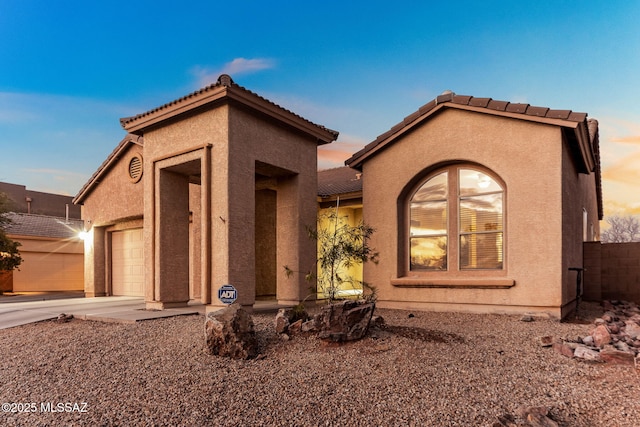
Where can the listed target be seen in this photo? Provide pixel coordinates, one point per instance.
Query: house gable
(225, 90)
(115, 192)
(580, 133)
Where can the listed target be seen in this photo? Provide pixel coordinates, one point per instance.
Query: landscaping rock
(563, 349)
(345, 321)
(295, 327)
(611, 354)
(64, 318)
(230, 333)
(586, 353)
(282, 321)
(546, 341)
(308, 326)
(601, 336)
(632, 329)
(616, 337)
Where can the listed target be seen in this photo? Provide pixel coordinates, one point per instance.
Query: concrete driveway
(16, 310)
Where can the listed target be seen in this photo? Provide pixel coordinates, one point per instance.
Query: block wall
(616, 273)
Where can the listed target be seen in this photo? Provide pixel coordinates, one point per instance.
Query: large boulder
(344, 321)
(230, 333)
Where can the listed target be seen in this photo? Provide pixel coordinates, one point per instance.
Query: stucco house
(212, 189)
(478, 205)
(46, 225)
(51, 251)
(481, 205)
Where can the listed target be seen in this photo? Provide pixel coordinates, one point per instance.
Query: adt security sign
(227, 294)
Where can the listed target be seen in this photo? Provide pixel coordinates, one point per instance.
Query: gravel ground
(433, 369)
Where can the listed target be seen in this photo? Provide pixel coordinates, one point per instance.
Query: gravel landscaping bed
(429, 369)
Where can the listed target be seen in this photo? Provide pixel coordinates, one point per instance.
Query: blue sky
(70, 69)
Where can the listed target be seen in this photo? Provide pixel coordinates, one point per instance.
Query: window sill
(420, 282)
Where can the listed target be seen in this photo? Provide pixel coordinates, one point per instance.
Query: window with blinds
(428, 229)
(480, 211)
(477, 221)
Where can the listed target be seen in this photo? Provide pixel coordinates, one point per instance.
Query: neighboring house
(481, 205)
(214, 188)
(52, 253)
(22, 200)
(46, 225)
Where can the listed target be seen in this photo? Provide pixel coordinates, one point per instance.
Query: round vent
(135, 168)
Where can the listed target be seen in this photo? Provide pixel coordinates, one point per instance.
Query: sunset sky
(70, 69)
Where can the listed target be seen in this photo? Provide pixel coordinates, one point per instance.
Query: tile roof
(200, 97)
(104, 167)
(43, 226)
(342, 180)
(485, 105)
(583, 135)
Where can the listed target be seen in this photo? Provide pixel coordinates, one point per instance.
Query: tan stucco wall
(528, 157)
(115, 202)
(579, 195)
(224, 147)
(49, 265)
(117, 197)
(253, 139)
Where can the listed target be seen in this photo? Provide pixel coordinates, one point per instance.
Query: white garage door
(127, 266)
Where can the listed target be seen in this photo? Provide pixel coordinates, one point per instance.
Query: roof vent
(135, 168)
(225, 80)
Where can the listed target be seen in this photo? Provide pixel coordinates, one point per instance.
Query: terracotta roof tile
(479, 102)
(537, 111)
(411, 117)
(461, 99)
(226, 81)
(428, 106)
(558, 114)
(498, 105)
(113, 156)
(445, 97)
(517, 108)
(336, 181)
(577, 117)
(488, 103)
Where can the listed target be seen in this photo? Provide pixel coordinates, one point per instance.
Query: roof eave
(138, 124)
(88, 187)
(410, 122)
(321, 134)
(213, 95)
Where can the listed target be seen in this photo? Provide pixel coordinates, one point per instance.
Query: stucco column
(297, 210)
(172, 241)
(94, 263)
(233, 240)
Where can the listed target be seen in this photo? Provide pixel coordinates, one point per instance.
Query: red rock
(612, 355)
(632, 329)
(546, 341)
(601, 336)
(585, 353)
(563, 349)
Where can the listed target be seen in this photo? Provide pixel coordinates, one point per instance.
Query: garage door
(127, 266)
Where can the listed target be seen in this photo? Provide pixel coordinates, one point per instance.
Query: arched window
(456, 221)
